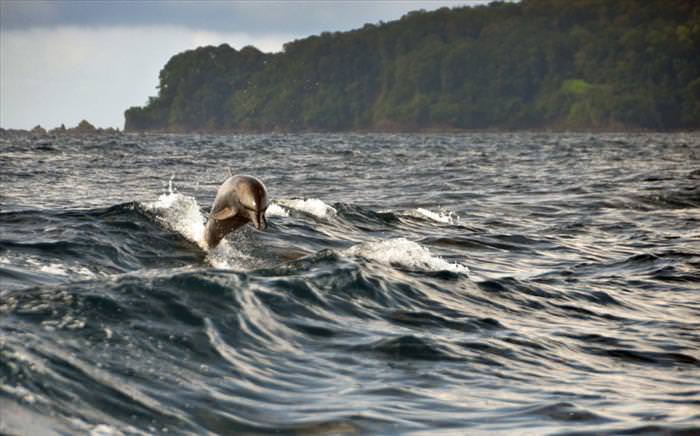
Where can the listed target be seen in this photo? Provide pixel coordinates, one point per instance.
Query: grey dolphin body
(239, 200)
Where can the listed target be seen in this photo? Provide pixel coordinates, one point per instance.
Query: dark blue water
(514, 283)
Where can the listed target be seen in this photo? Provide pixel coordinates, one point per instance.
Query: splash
(408, 254)
(227, 256)
(275, 209)
(312, 206)
(441, 216)
(182, 214)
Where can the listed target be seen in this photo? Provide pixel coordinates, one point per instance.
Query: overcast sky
(63, 61)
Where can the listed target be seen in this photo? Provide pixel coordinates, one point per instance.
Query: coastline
(423, 131)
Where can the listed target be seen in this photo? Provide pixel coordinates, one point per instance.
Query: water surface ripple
(524, 282)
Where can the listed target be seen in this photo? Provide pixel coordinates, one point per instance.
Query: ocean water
(407, 284)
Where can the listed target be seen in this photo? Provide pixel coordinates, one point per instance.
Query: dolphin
(239, 200)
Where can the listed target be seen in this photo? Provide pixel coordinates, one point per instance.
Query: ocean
(513, 283)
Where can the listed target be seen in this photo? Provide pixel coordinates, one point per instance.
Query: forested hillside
(584, 64)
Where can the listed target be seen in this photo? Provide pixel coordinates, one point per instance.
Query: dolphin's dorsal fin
(223, 214)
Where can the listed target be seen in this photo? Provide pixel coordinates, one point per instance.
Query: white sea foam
(276, 210)
(58, 269)
(105, 430)
(441, 216)
(67, 322)
(312, 206)
(182, 214)
(406, 253)
(53, 268)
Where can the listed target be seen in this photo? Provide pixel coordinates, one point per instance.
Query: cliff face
(536, 64)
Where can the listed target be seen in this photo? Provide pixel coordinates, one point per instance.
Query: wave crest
(275, 209)
(182, 214)
(441, 216)
(408, 254)
(312, 206)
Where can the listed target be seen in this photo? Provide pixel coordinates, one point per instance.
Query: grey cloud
(93, 59)
(252, 17)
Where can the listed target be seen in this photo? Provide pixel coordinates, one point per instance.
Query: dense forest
(584, 64)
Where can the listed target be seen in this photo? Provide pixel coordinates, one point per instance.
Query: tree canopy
(601, 64)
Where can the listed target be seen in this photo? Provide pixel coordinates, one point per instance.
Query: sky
(64, 61)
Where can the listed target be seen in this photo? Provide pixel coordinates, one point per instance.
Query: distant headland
(84, 127)
(536, 64)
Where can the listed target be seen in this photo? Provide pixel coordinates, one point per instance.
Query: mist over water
(524, 282)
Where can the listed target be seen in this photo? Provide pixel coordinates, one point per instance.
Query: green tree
(536, 63)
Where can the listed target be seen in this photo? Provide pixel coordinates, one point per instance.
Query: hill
(588, 64)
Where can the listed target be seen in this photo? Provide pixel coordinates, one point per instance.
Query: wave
(405, 253)
(181, 213)
(229, 340)
(84, 244)
(45, 247)
(441, 216)
(311, 206)
(50, 267)
(275, 210)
